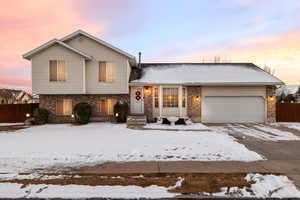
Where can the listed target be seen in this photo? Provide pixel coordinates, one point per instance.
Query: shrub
(121, 111)
(82, 113)
(40, 116)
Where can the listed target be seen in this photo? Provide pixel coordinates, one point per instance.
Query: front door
(137, 100)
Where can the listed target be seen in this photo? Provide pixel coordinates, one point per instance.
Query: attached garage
(233, 109)
(233, 104)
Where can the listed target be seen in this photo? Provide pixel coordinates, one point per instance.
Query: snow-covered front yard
(261, 186)
(65, 144)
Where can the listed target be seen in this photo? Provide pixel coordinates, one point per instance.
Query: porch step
(136, 120)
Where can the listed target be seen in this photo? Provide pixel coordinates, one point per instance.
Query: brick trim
(49, 102)
(271, 104)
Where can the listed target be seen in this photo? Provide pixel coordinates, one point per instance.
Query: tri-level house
(83, 68)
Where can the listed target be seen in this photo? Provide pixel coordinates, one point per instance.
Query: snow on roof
(205, 74)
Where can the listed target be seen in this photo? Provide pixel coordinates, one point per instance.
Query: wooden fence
(288, 112)
(11, 113)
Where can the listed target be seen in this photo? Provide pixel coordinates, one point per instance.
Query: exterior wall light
(72, 115)
(147, 90)
(117, 114)
(27, 115)
(271, 98)
(197, 99)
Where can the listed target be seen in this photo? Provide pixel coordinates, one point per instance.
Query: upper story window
(57, 70)
(106, 72)
(170, 97)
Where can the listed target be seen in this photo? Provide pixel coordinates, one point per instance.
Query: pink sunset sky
(263, 32)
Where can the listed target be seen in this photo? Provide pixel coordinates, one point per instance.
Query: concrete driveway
(273, 142)
(279, 144)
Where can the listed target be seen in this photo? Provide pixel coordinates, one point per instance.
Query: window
(156, 98)
(64, 107)
(170, 97)
(183, 97)
(106, 106)
(57, 70)
(106, 72)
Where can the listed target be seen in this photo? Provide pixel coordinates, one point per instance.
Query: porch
(166, 101)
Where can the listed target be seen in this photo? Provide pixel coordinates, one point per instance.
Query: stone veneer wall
(271, 104)
(148, 103)
(49, 102)
(193, 107)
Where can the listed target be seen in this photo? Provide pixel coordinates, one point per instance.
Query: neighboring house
(288, 94)
(83, 68)
(297, 95)
(10, 96)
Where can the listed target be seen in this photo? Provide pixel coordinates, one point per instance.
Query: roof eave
(211, 84)
(31, 53)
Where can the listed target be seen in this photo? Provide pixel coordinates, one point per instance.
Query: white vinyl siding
(118, 62)
(41, 72)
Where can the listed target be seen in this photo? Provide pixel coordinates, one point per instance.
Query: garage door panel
(233, 109)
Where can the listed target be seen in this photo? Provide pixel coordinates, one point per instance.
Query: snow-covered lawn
(265, 186)
(260, 131)
(14, 190)
(291, 125)
(262, 186)
(65, 144)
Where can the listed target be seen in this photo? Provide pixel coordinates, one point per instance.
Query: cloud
(280, 51)
(15, 82)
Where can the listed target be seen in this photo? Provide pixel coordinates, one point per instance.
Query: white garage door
(233, 109)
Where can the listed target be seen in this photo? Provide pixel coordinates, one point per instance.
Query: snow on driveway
(259, 131)
(291, 125)
(65, 144)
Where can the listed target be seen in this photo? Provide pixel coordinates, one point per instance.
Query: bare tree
(269, 70)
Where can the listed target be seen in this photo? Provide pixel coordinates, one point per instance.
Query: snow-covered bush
(40, 116)
(82, 113)
(121, 111)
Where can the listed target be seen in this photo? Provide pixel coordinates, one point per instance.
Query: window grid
(170, 97)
